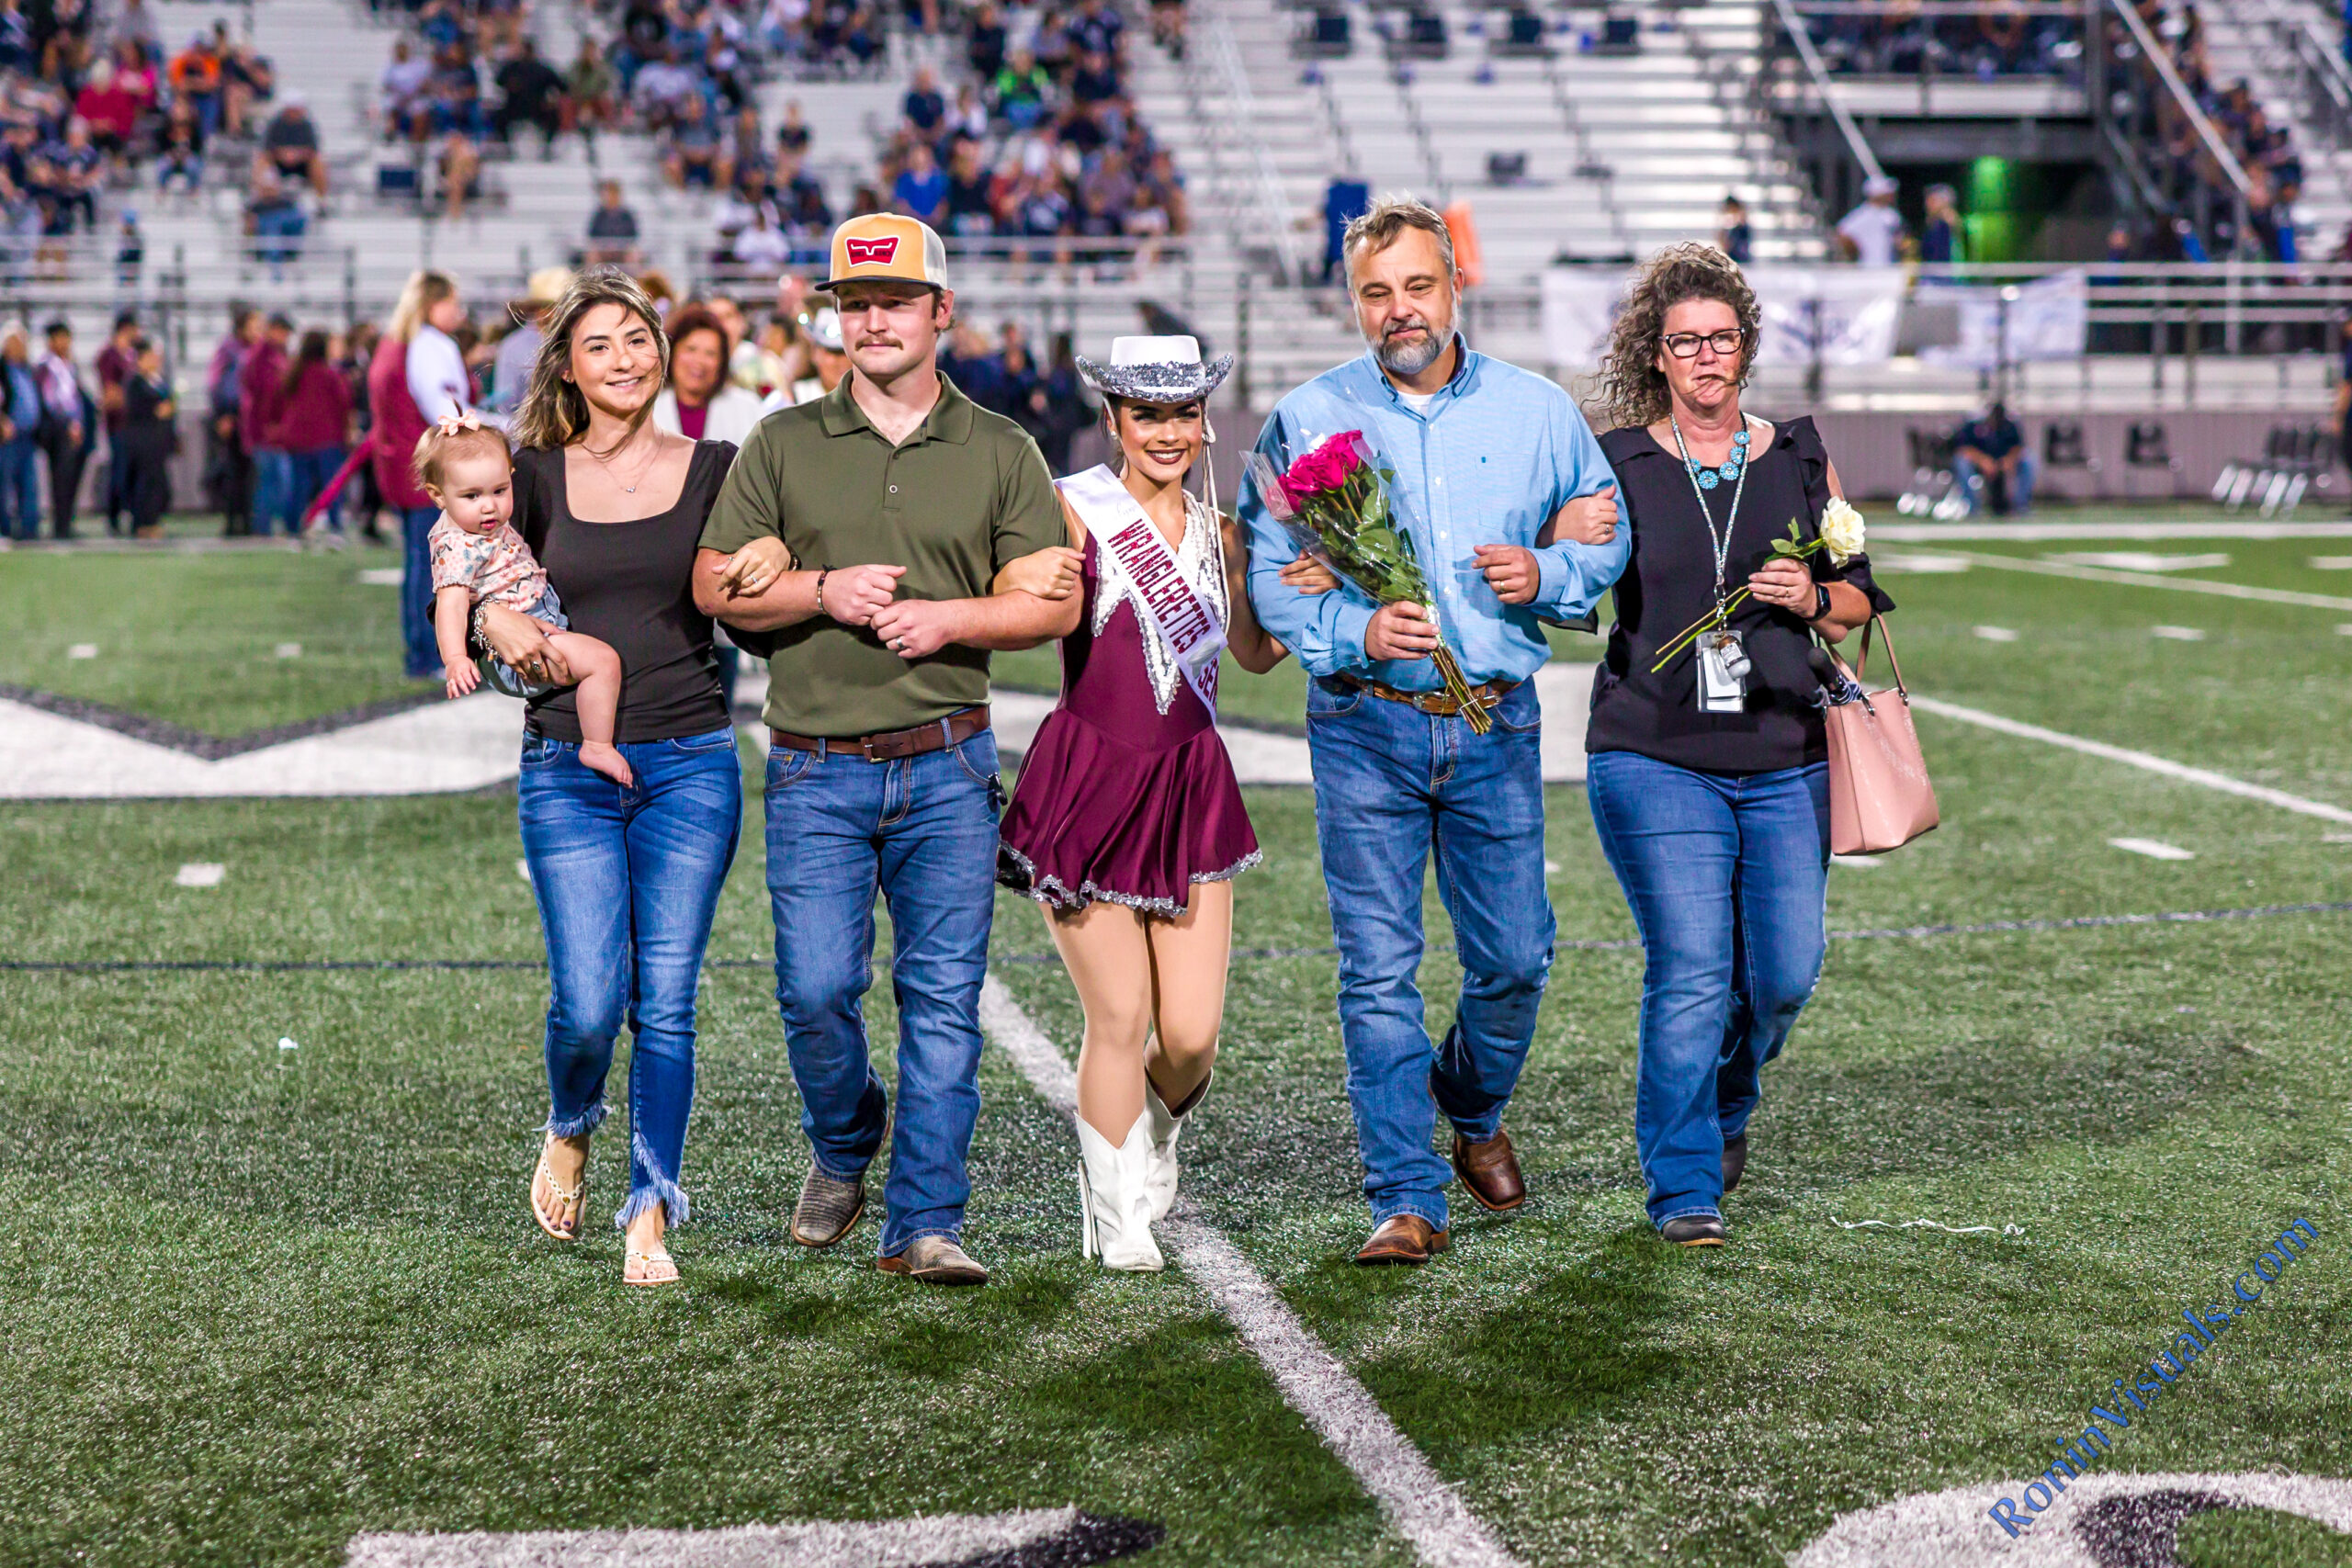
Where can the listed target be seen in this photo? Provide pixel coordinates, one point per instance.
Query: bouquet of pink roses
(1340, 503)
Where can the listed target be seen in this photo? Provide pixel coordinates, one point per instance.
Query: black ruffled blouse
(1669, 582)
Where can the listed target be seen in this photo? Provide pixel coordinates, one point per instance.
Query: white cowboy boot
(1167, 1126)
(1111, 1190)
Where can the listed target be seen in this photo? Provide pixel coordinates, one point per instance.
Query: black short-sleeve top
(631, 585)
(1670, 583)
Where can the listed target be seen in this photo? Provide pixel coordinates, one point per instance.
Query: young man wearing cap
(1873, 232)
(898, 500)
(1485, 457)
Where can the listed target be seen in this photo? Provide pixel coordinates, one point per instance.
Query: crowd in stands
(91, 102)
(1035, 138)
(1985, 39)
(2203, 223)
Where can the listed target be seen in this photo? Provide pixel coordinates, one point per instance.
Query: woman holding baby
(626, 863)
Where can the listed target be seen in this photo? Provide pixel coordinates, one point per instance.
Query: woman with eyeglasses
(1709, 770)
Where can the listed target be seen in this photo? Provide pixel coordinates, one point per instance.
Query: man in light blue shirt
(1486, 454)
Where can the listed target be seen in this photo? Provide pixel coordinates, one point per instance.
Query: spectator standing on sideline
(1992, 462)
(20, 415)
(228, 465)
(519, 350)
(260, 389)
(416, 377)
(116, 363)
(1869, 233)
(144, 441)
(313, 425)
(1940, 238)
(69, 426)
(612, 229)
(1733, 235)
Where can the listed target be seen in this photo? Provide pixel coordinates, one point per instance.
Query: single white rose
(1841, 530)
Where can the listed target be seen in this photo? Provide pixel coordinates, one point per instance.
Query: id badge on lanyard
(1723, 663)
(1723, 672)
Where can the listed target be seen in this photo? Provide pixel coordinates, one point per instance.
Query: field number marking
(2155, 765)
(2155, 849)
(2142, 560)
(1427, 1512)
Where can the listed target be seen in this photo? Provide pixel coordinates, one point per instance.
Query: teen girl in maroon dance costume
(1127, 824)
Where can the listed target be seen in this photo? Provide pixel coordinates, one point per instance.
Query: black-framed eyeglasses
(1685, 345)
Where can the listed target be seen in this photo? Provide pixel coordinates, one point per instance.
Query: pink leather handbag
(1880, 796)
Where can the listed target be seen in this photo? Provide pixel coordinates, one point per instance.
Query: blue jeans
(423, 655)
(1391, 785)
(274, 491)
(20, 488)
(1976, 486)
(627, 880)
(925, 831)
(309, 473)
(1728, 877)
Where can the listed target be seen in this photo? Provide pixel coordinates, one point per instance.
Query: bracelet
(821, 573)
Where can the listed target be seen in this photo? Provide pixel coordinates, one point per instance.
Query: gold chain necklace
(605, 461)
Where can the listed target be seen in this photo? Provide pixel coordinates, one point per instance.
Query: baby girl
(467, 470)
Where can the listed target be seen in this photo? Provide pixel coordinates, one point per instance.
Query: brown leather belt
(1487, 694)
(953, 730)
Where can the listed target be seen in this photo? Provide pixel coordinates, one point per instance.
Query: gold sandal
(564, 1197)
(649, 1262)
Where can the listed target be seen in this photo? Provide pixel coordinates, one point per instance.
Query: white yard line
(2155, 765)
(1426, 1511)
(1936, 533)
(940, 1539)
(2150, 580)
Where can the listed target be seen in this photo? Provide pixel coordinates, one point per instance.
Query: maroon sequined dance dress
(1127, 793)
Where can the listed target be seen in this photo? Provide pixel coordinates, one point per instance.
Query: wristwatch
(1820, 603)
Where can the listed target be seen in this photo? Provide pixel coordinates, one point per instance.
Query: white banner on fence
(1579, 303)
(1843, 315)
(2048, 319)
(1854, 311)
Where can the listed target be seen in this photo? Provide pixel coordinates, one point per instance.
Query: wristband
(1820, 603)
(821, 589)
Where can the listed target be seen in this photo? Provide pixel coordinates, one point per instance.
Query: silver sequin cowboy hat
(1164, 370)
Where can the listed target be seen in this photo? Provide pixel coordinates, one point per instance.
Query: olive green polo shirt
(963, 495)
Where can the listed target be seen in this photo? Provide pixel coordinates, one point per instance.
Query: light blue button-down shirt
(1499, 451)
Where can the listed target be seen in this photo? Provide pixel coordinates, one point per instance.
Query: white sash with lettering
(1179, 617)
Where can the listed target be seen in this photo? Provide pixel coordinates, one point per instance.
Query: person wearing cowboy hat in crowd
(1485, 457)
(520, 348)
(1128, 825)
(872, 522)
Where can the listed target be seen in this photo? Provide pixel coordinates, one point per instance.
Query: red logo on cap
(868, 252)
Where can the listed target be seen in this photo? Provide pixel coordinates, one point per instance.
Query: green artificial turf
(266, 1299)
(192, 638)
